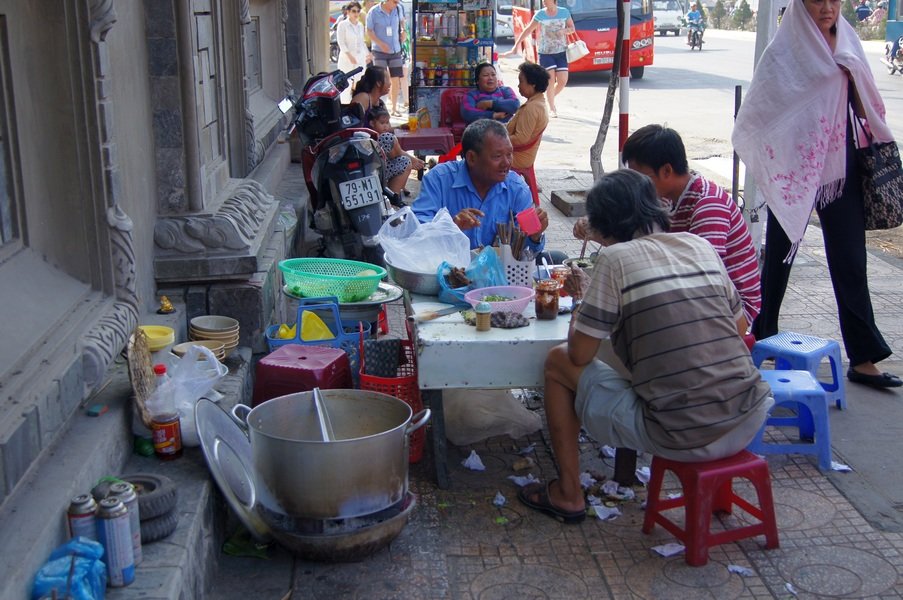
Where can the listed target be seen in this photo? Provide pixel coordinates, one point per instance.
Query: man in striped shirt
(698, 206)
(675, 322)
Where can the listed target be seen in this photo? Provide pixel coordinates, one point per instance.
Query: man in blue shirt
(481, 190)
(863, 11)
(694, 20)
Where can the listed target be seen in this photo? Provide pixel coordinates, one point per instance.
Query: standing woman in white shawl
(352, 51)
(794, 133)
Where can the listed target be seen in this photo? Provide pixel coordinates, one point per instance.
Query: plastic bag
(486, 270)
(474, 415)
(422, 247)
(89, 575)
(191, 379)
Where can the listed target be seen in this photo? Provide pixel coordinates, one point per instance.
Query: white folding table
(452, 354)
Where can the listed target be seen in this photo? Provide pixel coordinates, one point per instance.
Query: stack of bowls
(218, 348)
(216, 328)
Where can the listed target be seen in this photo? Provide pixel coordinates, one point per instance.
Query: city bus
(597, 25)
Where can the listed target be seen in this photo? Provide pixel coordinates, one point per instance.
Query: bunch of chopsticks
(510, 234)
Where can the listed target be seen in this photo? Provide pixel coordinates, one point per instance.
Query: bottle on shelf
(165, 426)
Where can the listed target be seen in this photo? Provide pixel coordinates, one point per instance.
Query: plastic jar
(560, 274)
(546, 300)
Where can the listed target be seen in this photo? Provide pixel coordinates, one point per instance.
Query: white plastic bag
(422, 247)
(475, 415)
(192, 377)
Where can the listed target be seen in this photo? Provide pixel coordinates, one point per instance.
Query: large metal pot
(363, 471)
(419, 283)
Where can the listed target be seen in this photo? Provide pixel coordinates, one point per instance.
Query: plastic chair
(802, 393)
(804, 352)
(450, 111)
(707, 488)
(529, 176)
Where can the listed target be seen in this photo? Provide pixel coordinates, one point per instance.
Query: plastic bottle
(165, 425)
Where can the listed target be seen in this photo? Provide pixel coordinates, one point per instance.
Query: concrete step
(184, 564)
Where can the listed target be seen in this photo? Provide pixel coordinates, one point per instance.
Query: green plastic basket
(317, 277)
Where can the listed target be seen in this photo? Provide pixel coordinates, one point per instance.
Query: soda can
(114, 532)
(81, 516)
(126, 492)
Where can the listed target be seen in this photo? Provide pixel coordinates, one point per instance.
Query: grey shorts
(610, 410)
(394, 63)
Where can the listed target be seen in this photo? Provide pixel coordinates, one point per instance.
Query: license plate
(605, 60)
(361, 192)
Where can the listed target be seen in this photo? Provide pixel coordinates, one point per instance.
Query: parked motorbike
(344, 169)
(893, 56)
(333, 45)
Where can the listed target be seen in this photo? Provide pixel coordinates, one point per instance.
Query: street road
(693, 92)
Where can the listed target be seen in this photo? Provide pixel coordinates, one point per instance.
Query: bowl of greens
(502, 298)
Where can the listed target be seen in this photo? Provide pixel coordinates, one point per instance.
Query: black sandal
(544, 504)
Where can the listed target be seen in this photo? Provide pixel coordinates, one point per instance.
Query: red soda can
(81, 517)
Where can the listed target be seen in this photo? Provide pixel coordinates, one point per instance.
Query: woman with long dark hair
(370, 89)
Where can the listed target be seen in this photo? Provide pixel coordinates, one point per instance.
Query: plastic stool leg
(762, 484)
(806, 421)
(652, 498)
(699, 519)
(724, 498)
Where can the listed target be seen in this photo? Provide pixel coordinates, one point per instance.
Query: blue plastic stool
(804, 352)
(800, 391)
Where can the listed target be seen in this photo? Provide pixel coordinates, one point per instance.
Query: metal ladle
(323, 417)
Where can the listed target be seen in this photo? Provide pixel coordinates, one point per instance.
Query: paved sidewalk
(840, 533)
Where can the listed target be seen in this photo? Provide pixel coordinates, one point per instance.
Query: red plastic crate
(404, 387)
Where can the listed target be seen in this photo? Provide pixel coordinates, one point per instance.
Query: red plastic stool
(298, 368)
(706, 489)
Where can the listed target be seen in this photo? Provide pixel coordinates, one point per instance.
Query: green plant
(743, 16)
(848, 10)
(718, 15)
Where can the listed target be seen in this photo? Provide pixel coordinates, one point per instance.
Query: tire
(159, 527)
(157, 494)
(637, 72)
(334, 53)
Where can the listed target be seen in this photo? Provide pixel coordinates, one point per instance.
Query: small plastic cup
(412, 122)
(529, 221)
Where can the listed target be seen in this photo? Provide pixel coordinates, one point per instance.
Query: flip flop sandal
(544, 505)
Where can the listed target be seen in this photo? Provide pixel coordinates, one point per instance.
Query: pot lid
(228, 453)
